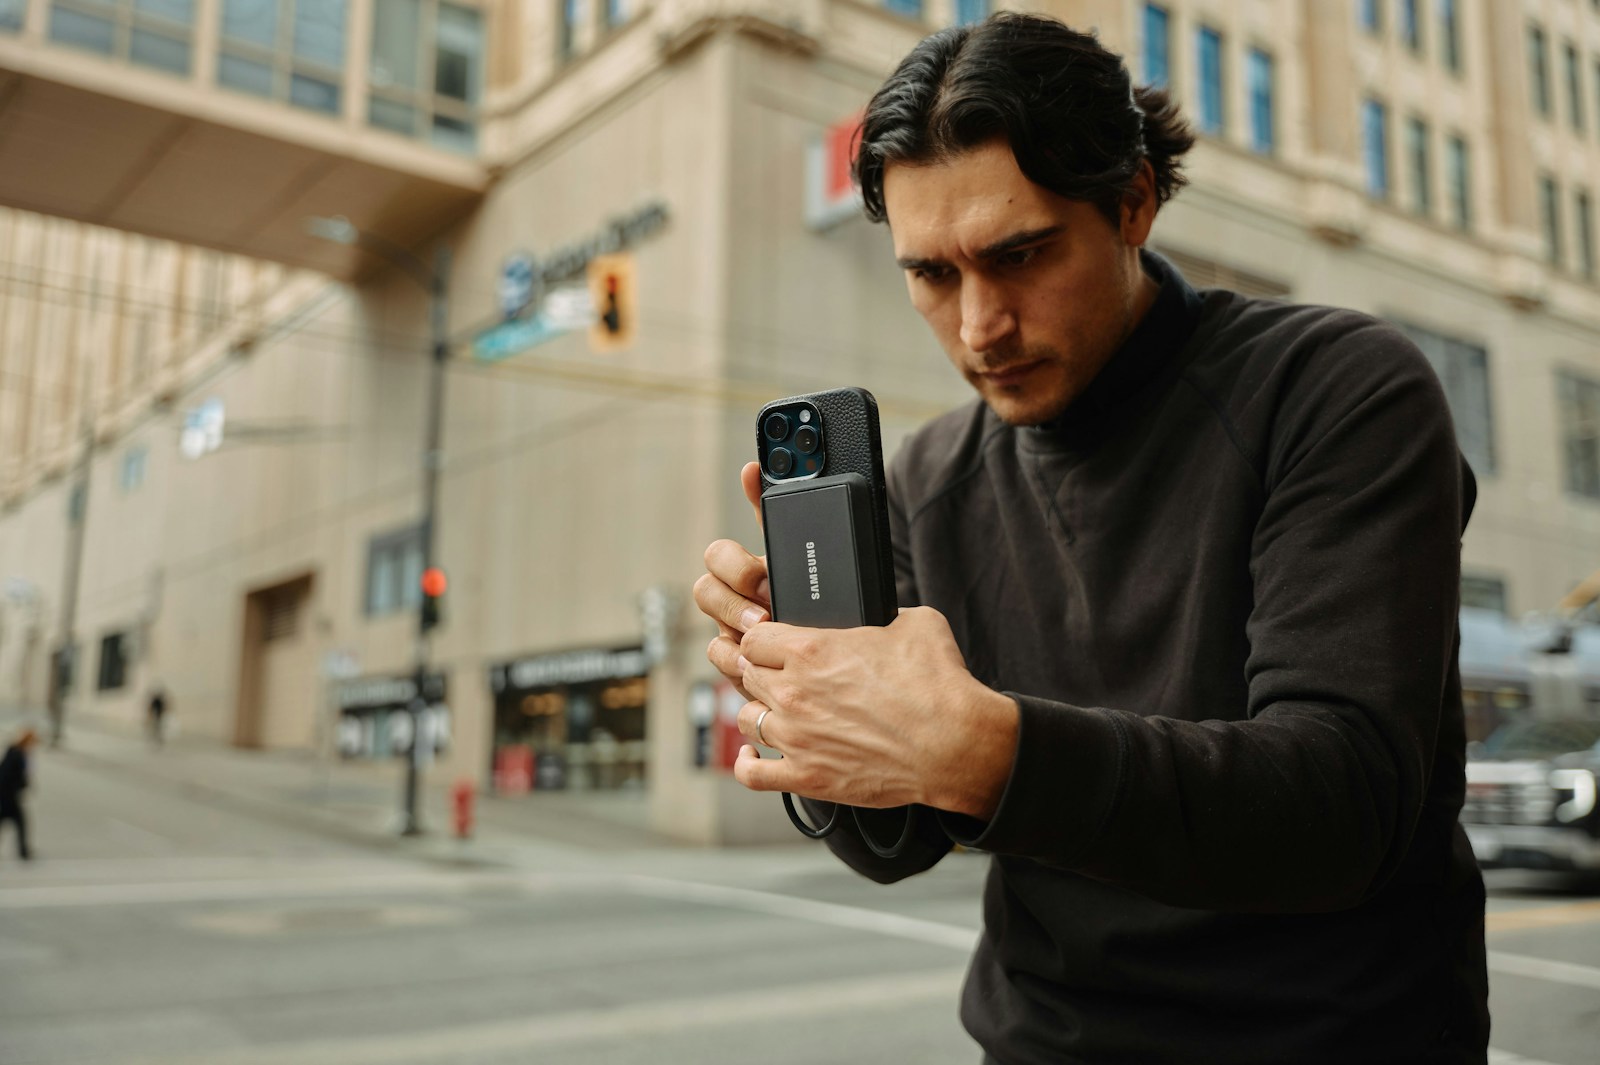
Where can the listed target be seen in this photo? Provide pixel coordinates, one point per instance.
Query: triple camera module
(793, 442)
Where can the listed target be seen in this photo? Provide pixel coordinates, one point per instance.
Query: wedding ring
(759, 737)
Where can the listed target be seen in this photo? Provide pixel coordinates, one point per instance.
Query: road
(158, 928)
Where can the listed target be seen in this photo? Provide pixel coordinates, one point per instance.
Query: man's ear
(1137, 212)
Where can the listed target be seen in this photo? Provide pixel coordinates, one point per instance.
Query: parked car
(1531, 791)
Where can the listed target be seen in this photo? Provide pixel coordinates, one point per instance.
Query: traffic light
(611, 286)
(433, 589)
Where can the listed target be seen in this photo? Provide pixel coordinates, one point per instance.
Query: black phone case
(853, 446)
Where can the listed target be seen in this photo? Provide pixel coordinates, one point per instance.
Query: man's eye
(1019, 257)
(930, 273)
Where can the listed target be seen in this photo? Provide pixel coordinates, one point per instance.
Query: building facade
(250, 435)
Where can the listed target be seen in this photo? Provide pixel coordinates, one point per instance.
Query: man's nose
(986, 315)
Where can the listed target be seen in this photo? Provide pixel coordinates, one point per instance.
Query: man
(1184, 581)
(13, 782)
(157, 711)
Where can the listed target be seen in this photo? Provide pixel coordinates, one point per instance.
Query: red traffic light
(433, 582)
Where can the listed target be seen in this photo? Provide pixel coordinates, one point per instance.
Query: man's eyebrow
(1019, 240)
(998, 248)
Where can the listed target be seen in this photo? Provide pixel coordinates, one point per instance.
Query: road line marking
(52, 896)
(827, 998)
(1542, 916)
(1561, 972)
(853, 917)
(1505, 1057)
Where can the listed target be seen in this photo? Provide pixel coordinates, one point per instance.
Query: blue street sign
(511, 338)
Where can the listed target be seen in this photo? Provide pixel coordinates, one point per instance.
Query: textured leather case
(852, 444)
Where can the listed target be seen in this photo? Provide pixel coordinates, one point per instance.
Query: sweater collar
(1160, 335)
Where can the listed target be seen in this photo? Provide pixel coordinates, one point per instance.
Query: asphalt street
(159, 927)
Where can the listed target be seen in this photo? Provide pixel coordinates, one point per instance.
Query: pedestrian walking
(158, 711)
(1179, 588)
(13, 782)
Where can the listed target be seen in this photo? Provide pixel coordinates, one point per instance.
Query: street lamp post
(436, 282)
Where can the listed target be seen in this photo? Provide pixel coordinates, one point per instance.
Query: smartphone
(825, 516)
(825, 510)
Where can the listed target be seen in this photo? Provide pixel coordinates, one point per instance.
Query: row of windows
(1211, 110)
(1554, 227)
(1463, 369)
(427, 55)
(1418, 163)
(1539, 83)
(1412, 22)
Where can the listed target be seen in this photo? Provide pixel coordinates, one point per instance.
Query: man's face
(1030, 293)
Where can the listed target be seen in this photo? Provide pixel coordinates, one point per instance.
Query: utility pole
(432, 459)
(64, 665)
(435, 282)
(64, 662)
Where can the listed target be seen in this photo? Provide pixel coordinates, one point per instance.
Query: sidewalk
(360, 801)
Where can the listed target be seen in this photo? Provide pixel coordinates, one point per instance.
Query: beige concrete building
(1433, 163)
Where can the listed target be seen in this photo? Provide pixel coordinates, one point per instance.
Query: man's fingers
(761, 774)
(773, 643)
(750, 479)
(723, 654)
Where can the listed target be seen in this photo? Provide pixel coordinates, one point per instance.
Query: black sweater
(1223, 592)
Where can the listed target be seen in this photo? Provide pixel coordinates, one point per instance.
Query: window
(1579, 399)
(1463, 369)
(149, 33)
(1261, 125)
(1418, 161)
(1450, 36)
(1375, 146)
(12, 13)
(1157, 46)
(1460, 178)
(1583, 219)
(134, 462)
(616, 13)
(1574, 72)
(1209, 66)
(970, 11)
(908, 8)
(285, 49)
(1484, 593)
(1370, 13)
(427, 70)
(113, 662)
(1550, 213)
(394, 572)
(1410, 25)
(1538, 70)
(571, 18)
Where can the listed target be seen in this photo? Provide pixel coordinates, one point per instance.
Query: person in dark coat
(158, 710)
(13, 780)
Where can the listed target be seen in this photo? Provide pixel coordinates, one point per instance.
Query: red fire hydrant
(462, 796)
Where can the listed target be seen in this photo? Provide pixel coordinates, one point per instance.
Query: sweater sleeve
(1307, 798)
(927, 842)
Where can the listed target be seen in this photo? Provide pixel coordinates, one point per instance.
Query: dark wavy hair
(1068, 107)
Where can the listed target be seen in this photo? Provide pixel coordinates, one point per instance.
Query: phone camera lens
(777, 426)
(805, 440)
(780, 462)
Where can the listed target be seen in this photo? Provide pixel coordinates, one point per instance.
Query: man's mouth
(1010, 375)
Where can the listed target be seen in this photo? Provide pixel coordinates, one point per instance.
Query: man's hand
(734, 591)
(874, 716)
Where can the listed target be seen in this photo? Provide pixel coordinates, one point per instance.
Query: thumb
(750, 478)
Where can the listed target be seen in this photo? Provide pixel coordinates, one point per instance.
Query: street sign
(831, 195)
(514, 337)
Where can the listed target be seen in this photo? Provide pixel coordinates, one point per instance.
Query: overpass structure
(228, 123)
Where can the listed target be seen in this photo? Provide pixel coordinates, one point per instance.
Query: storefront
(375, 716)
(570, 720)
